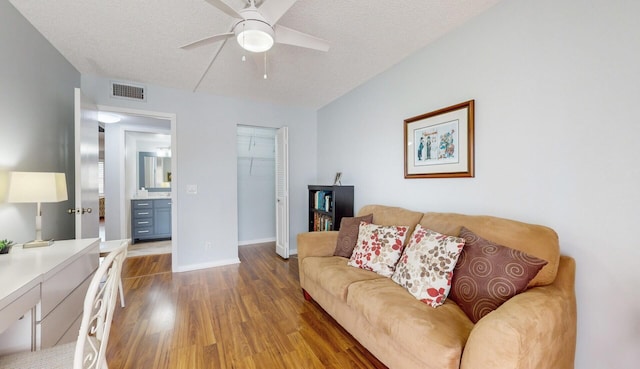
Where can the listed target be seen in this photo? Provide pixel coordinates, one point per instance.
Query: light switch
(192, 189)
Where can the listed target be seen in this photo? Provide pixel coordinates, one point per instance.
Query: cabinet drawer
(139, 223)
(57, 323)
(59, 286)
(72, 333)
(143, 204)
(13, 311)
(143, 213)
(143, 232)
(162, 203)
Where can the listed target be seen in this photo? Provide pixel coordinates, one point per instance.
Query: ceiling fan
(256, 30)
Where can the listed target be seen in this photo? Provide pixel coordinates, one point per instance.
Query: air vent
(127, 91)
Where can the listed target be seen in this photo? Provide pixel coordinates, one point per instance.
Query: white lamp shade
(37, 187)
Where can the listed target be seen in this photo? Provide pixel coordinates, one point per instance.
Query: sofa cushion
(333, 274)
(438, 334)
(389, 215)
(426, 265)
(348, 234)
(536, 240)
(488, 274)
(378, 248)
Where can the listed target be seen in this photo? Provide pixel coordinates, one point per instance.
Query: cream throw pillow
(378, 248)
(426, 266)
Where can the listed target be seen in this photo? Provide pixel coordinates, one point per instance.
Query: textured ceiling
(139, 41)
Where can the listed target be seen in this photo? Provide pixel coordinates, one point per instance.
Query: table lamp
(37, 187)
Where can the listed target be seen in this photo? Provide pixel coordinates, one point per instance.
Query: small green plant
(5, 245)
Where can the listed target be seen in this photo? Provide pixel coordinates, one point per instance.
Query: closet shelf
(255, 158)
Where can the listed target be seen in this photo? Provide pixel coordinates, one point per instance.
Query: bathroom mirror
(154, 172)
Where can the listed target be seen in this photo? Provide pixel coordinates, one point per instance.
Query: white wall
(556, 84)
(36, 124)
(207, 157)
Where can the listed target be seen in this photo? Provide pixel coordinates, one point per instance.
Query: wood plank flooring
(246, 316)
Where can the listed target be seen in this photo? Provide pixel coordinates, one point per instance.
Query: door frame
(174, 171)
(283, 247)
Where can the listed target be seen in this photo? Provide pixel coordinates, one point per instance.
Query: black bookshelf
(328, 205)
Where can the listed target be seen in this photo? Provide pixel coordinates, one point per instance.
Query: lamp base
(37, 243)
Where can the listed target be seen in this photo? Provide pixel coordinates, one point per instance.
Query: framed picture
(440, 144)
(338, 180)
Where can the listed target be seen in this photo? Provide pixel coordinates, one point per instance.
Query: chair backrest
(99, 304)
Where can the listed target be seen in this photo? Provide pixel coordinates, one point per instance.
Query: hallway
(143, 248)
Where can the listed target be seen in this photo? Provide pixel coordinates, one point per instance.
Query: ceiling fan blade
(290, 36)
(208, 40)
(226, 8)
(273, 10)
(215, 55)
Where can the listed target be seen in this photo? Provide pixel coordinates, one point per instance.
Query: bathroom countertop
(151, 196)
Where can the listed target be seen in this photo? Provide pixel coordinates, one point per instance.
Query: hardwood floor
(246, 316)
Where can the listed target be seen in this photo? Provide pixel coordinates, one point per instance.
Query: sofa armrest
(535, 329)
(315, 244)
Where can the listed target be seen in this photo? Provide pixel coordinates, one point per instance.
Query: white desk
(51, 282)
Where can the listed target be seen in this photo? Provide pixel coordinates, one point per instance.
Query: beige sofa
(534, 329)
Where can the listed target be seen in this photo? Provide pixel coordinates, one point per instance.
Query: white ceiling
(139, 41)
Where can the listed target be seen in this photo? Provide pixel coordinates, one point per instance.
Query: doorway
(147, 181)
(137, 131)
(256, 185)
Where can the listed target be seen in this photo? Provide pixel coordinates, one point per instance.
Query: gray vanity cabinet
(150, 219)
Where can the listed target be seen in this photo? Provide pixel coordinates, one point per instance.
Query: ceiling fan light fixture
(254, 36)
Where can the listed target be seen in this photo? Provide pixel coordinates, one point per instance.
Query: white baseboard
(253, 242)
(192, 267)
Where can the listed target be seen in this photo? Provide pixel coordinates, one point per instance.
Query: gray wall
(556, 85)
(206, 154)
(36, 124)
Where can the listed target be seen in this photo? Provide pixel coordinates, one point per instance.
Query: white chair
(107, 247)
(89, 351)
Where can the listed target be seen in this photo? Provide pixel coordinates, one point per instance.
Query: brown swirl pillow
(488, 274)
(348, 234)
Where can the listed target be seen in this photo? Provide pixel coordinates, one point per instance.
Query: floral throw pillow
(378, 248)
(426, 266)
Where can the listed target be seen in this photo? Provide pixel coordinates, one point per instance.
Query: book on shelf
(323, 201)
(322, 222)
(328, 205)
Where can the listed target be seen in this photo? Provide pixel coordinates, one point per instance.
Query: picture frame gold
(440, 144)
